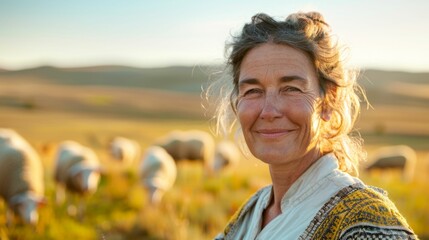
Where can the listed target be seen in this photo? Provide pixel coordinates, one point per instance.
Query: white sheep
(124, 150)
(227, 155)
(394, 157)
(77, 170)
(21, 177)
(157, 173)
(190, 145)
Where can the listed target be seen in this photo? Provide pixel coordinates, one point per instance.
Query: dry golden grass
(197, 207)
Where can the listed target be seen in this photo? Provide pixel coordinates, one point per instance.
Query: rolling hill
(400, 100)
(110, 91)
(182, 79)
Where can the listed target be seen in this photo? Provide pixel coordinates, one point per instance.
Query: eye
(290, 89)
(252, 92)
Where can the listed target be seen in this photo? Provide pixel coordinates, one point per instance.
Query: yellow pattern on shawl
(363, 206)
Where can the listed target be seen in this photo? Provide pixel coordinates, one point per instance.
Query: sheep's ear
(41, 202)
(100, 170)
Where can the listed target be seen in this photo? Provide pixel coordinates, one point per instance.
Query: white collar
(310, 180)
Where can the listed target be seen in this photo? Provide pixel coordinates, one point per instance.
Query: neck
(284, 176)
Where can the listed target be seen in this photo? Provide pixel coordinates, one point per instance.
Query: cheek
(304, 112)
(247, 112)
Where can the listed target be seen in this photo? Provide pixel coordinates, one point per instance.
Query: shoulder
(376, 232)
(358, 209)
(238, 216)
(375, 216)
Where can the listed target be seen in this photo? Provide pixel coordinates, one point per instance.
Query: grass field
(198, 207)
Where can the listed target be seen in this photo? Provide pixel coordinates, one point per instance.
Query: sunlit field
(198, 206)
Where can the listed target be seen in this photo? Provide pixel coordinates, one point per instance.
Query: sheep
(157, 173)
(77, 170)
(21, 177)
(194, 145)
(226, 155)
(124, 150)
(394, 157)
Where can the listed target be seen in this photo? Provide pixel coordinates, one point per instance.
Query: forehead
(271, 58)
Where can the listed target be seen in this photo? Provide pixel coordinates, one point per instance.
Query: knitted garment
(355, 212)
(359, 212)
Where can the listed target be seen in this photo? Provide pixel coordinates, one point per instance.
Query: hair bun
(316, 17)
(307, 20)
(311, 23)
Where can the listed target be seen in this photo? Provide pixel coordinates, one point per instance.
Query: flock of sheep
(77, 168)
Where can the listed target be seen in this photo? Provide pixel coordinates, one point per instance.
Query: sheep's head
(86, 180)
(26, 205)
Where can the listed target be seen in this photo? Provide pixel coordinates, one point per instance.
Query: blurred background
(92, 70)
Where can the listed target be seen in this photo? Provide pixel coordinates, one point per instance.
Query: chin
(271, 157)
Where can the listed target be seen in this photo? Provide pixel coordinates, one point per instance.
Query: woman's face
(278, 104)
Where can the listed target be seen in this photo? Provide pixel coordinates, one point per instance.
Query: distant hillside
(182, 79)
(175, 91)
(396, 88)
(108, 91)
(190, 79)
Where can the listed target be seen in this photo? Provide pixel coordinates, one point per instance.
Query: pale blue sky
(390, 35)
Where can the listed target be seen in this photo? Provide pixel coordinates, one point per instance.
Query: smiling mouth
(273, 133)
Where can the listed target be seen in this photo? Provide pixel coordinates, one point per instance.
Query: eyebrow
(250, 81)
(291, 78)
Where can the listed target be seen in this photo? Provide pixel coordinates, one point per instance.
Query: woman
(296, 106)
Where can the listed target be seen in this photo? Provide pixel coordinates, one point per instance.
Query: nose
(271, 108)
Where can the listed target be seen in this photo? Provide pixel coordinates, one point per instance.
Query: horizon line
(88, 66)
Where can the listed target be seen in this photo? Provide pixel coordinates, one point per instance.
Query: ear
(100, 170)
(326, 113)
(41, 202)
